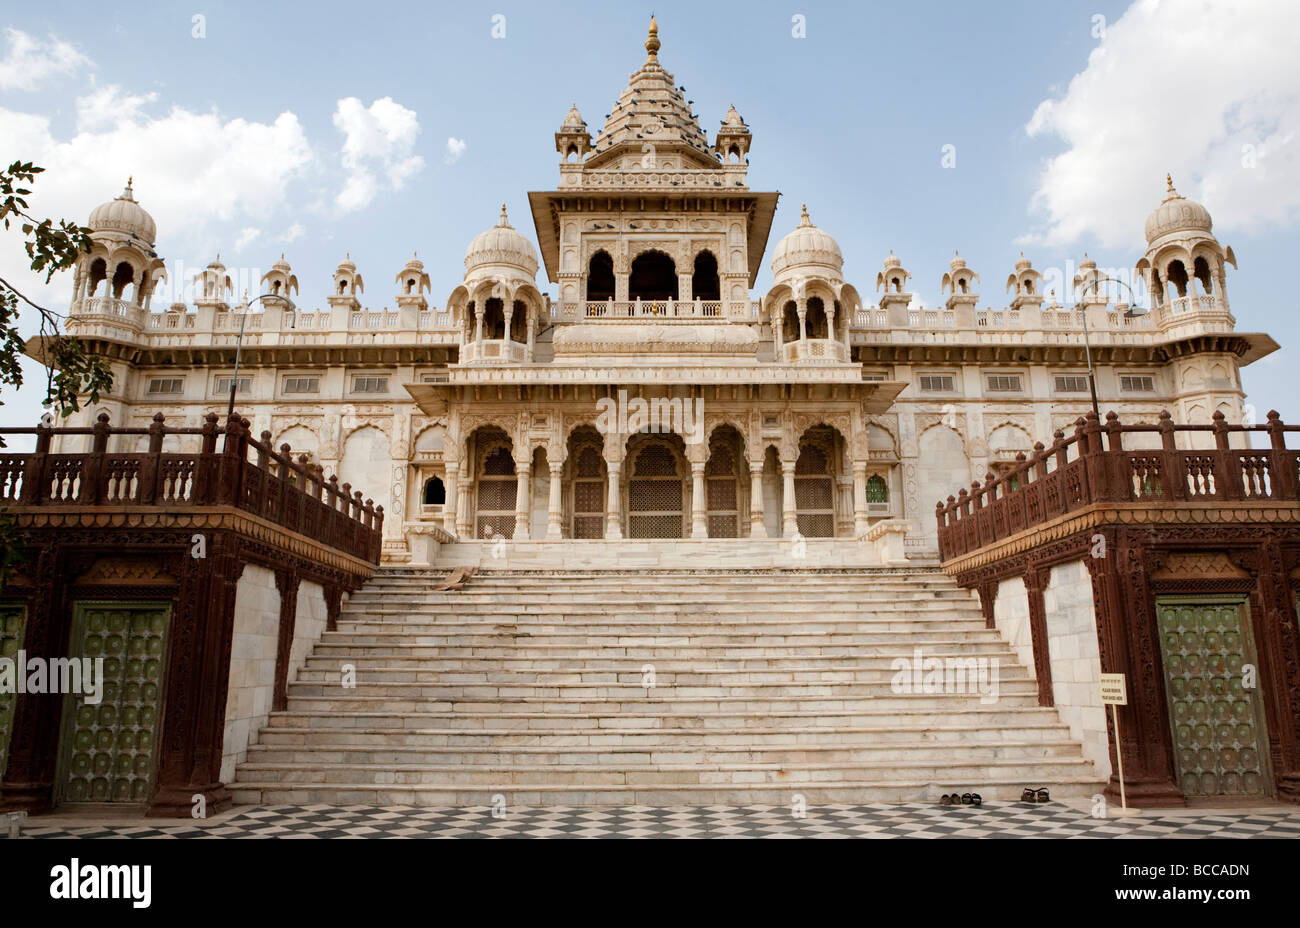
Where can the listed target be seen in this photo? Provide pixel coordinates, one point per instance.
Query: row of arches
(653, 277)
(1171, 280)
(656, 493)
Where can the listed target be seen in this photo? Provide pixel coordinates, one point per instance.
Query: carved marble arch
(774, 303)
(927, 421)
(734, 421)
(471, 426)
(585, 483)
(816, 467)
(458, 305)
(383, 424)
(880, 437)
(658, 486)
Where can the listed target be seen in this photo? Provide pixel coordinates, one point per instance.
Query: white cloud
(28, 61)
(246, 238)
(455, 148)
(377, 148)
(109, 105)
(293, 233)
(1192, 87)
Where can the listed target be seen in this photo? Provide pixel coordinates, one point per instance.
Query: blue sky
(265, 132)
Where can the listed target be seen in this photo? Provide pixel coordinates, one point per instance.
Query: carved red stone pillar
(1035, 584)
(1277, 643)
(34, 739)
(198, 678)
(1128, 643)
(286, 581)
(988, 591)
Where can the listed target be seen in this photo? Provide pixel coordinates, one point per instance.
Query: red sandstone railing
(1081, 470)
(246, 473)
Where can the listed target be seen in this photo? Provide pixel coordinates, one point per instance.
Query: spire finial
(652, 40)
(503, 221)
(804, 220)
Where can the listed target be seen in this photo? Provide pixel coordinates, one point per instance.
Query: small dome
(347, 264)
(501, 244)
(281, 265)
(733, 118)
(807, 244)
(574, 119)
(1087, 264)
(1022, 263)
(415, 264)
(892, 261)
(957, 262)
(124, 215)
(1177, 214)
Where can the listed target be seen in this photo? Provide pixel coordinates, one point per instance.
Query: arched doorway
(600, 277)
(723, 486)
(495, 485)
(654, 277)
(814, 483)
(704, 280)
(587, 509)
(656, 494)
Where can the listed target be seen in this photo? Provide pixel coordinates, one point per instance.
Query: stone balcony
(814, 349)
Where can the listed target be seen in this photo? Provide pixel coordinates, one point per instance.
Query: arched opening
(654, 277)
(722, 482)
(656, 494)
(123, 275)
(471, 321)
(1177, 275)
(496, 485)
(435, 494)
(519, 323)
(600, 277)
(589, 480)
(1157, 287)
(790, 322)
(1029, 285)
(98, 273)
(814, 483)
(410, 285)
(343, 288)
(704, 281)
(494, 320)
(571, 154)
(275, 286)
(815, 321)
(961, 284)
(1201, 271)
(877, 490)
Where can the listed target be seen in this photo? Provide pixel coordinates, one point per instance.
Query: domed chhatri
(1177, 214)
(502, 244)
(806, 246)
(124, 215)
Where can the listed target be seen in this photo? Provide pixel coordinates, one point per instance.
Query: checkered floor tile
(913, 820)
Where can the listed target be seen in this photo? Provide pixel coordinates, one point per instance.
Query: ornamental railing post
(90, 491)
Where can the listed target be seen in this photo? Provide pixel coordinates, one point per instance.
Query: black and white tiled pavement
(909, 820)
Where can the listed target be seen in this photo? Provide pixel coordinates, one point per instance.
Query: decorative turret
(412, 284)
(347, 284)
(733, 139)
(280, 279)
(1026, 284)
(1183, 258)
(960, 283)
(895, 299)
(213, 287)
(122, 265)
(502, 246)
(573, 139)
(1089, 285)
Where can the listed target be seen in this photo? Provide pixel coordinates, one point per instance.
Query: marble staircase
(665, 687)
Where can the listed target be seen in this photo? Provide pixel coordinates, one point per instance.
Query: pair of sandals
(961, 799)
(1035, 795)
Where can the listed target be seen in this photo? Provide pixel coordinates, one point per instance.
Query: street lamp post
(1130, 313)
(239, 340)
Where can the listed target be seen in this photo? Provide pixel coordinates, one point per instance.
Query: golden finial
(652, 40)
(503, 221)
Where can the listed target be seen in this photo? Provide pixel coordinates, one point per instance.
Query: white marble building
(825, 411)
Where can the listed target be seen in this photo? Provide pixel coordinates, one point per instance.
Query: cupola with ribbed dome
(125, 217)
(807, 251)
(412, 284)
(1183, 258)
(501, 246)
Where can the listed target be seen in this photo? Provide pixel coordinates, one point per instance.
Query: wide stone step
(310, 732)
(874, 671)
(860, 791)
(665, 658)
(632, 756)
(651, 774)
(372, 699)
(733, 643)
(697, 630)
(993, 720)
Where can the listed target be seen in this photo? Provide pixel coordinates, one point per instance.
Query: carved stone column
(464, 527)
(287, 582)
(859, 498)
(554, 504)
(756, 527)
(1035, 585)
(699, 504)
(614, 501)
(453, 496)
(789, 522)
(523, 499)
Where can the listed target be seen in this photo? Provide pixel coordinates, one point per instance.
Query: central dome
(501, 244)
(124, 215)
(1177, 214)
(807, 245)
